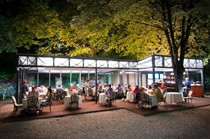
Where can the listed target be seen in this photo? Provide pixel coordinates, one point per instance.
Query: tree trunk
(178, 74)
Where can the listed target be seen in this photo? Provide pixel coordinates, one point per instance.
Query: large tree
(111, 28)
(36, 26)
(107, 28)
(184, 23)
(142, 27)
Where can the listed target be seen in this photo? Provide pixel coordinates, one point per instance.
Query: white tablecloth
(25, 103)
(129, 96)
(153, 99)
(102, 98)
(173, 97)
(67, 100)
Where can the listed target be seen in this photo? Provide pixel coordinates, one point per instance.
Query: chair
(74, 100)
(59, 94)
(120, 93)
(134, 100)
(47, 102)
(32, 104)
(112, 98)
(188, 97)
(89, 94)
(145, 100)
(15, 104)
(137, 99)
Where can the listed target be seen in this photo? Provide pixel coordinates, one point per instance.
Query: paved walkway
(118, 124)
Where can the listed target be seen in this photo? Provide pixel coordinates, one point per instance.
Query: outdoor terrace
(90, 106)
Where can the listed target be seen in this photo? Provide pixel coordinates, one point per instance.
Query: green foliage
(6, 74)
(100, 28)
(41, 28)
(6, 35)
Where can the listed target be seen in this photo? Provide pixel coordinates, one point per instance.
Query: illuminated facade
(54, 70)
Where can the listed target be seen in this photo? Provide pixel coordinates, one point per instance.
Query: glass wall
(44, 79)
(75, 78)
(84, 77)
(32, 79)
(55, 80)
(195, 78)
(158, 76)
(65, 80)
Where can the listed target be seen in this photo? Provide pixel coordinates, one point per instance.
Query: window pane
(55, 77)
(32, 79)
(65, 80)
(44, 79)
(75, 78)
(150, 76)
(156, 75)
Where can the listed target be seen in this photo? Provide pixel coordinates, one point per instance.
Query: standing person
(24, 89)
(86, 88)
(187, 86)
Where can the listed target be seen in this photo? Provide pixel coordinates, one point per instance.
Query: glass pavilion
(61, 70)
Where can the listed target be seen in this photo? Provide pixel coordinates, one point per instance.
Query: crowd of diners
(121, 91)
(118, 91)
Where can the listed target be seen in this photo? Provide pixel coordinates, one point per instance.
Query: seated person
(72, 87)
(32, 100)
(157, 92)
(129, 89)
(136, 89)
(119, 89)
(42, 90)
(163, 87)
(99, 88)
(149, 98)
(59, 92)
(47, 99)
(33, 92)
(136, 93)
(150, 90)
(106, 86)
(109, 93)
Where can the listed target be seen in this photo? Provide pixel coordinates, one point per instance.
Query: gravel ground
(118, 124)
(6, 107)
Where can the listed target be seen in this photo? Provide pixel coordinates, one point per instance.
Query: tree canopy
(101, 28)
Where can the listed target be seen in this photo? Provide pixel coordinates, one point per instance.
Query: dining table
(129, 96)
(25, 103)
(153, 99)
(67, 100)
(102, 98)
(173, 97)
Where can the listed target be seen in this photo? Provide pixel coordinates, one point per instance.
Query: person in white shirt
(86, 87)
